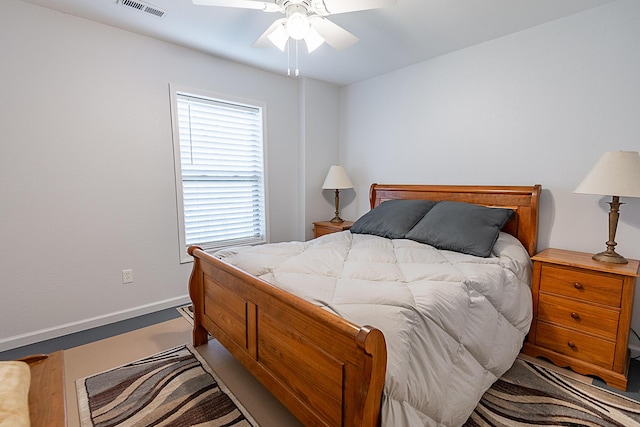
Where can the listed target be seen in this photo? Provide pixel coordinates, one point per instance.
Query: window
(218, 146)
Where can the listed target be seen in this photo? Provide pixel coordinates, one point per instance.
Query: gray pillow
(461, 227)
(392, 218)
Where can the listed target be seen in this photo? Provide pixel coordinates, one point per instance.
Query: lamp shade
(617, 173)
(337, 179)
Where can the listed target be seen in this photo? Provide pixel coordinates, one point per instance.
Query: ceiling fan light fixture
(303, 20)
(279, 37)
(298, 25)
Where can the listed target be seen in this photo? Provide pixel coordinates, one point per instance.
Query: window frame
(174, 92)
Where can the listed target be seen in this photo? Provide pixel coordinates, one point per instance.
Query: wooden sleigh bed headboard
(522, 199)
(325, 369)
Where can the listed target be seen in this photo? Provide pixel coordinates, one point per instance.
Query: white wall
(86, 164)
(86, 168)
(536, 107)
(320, 141)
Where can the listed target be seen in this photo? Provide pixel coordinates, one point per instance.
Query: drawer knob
(575, 315)
(578, 285)
(571, 345)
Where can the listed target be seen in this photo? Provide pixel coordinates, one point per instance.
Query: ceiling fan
(304, 20)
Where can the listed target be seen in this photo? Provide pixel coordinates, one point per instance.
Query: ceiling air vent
(143, 7)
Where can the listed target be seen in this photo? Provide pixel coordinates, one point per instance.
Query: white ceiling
(391, 38)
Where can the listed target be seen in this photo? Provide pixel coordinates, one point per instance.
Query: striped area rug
(530, 395)
(186, 311)
(172, 388)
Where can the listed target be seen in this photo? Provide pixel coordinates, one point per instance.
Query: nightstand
(582, 313)
(327, 227)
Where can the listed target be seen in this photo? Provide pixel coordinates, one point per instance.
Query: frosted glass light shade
(279, 37)
(313, 40)
(617, 173)
(337, 179)
(298, 25)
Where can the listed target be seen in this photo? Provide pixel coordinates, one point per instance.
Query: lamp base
(336, 219)
(610, 256)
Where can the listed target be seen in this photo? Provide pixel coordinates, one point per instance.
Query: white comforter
(453, 323)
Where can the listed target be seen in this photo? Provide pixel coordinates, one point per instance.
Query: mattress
(453, 323)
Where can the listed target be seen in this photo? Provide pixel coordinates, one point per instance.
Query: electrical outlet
(127, 276)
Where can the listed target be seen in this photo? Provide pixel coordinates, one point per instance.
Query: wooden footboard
(326, 370)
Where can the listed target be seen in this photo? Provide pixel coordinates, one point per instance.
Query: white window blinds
(221, 171)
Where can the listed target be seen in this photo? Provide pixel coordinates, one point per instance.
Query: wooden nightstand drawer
(578, 315)
(580, 346)
(589, 286)
(321, 231)
(582, 313)
(321, 228)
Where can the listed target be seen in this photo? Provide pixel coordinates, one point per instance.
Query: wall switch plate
(127, 276)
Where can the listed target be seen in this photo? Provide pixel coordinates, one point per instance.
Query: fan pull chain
(297, 69)
(288, 58)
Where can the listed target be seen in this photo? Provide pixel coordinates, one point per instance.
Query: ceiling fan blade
(336, 36)
(265, 41)
(344, 6)
(242, 4)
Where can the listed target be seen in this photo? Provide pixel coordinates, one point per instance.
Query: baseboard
(70, 328)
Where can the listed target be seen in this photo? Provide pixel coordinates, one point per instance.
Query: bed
(342, 370)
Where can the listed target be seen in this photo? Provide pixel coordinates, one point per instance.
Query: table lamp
(337, 179)
(616, 174)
